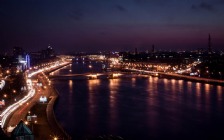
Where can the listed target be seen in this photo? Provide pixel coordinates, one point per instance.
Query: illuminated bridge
(136, 72)
(87, 75)
(132, 73)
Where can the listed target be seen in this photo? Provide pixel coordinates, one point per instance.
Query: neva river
(138, 108)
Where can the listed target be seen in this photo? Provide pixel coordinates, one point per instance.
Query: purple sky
(92, 25)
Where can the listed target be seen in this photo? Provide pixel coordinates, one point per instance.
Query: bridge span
(103, 75)
(88, 75)
(139, 73)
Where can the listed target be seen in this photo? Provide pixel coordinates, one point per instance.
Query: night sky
(120, 25)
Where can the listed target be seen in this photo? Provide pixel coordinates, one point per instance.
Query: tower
(153, 48)
(209, 44)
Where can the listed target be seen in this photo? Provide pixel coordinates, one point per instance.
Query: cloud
(120, 8)
(203, 6)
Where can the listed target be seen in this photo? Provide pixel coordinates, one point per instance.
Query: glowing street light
(14, 91)
(198, 73)
(7, 71)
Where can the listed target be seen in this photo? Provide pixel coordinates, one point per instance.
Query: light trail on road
(7, 112)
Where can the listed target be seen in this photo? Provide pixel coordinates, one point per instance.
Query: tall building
(153, 48)
(48, 53)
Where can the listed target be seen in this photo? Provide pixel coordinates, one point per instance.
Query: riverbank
(178, 77)
(51, 125)
(46, 126)
(191, 78)
(50, 128)
(57, 68)
(55, 126)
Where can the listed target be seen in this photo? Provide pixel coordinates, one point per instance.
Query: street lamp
(198, 73)
(90, 66)
(7, 71)
(207, 73)
(14, 91)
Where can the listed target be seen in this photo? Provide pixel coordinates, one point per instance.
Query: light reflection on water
(70, 86)
(133, 80)
(140, 108)
(92, 93)
(113, 85)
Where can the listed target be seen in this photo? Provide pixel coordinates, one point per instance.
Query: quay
(55, 126)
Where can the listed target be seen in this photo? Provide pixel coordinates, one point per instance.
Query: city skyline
(93, 25)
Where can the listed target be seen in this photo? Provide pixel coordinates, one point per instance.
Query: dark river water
(138, 108)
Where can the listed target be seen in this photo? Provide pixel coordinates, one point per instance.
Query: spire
(153, 48)
(209, 44)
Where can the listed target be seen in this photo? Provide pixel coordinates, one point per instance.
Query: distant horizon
(10, 51)
(90, 25)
